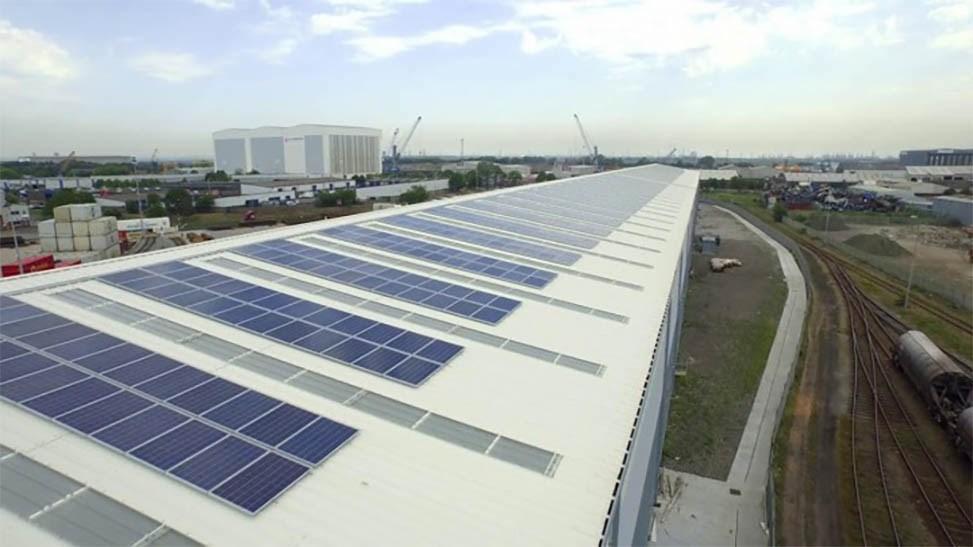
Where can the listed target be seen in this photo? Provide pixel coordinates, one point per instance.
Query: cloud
(371, 47)
(218, 5)
(699, 36)
(961, 40)
(169, 66)
(280, 50)
(28, 53)
(355, 15)
(955, 19)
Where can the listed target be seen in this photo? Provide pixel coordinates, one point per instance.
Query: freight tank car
(946, 388)
(964, 432)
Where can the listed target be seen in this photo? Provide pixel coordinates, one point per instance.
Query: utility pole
(462, 151)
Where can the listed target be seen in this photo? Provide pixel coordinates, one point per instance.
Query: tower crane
(670, 154)
(592, 152)
(397, 152)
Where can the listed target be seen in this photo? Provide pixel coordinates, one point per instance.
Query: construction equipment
(670, 154)
(63, 166)
(592, 151)
(397, 152)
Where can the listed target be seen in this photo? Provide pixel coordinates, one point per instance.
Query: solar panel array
(234, 443)
(368, 345)
(512, 226)
(418, 289)
(553, 208)
(483, 239)
(526, 214)
(439, 254)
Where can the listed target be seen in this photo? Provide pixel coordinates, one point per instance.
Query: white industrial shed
(312, 150)
(485, 370)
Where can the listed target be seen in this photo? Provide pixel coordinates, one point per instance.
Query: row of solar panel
(570, 211)
(448, 256)
(511, 210)
(216, 435)
(418, 289)
(350, 339)
(507, 225)
(483, 239)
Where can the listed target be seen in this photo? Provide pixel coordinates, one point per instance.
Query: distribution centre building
(311, 150)
(484, 370)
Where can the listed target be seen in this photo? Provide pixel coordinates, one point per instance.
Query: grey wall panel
(231, 155)
(314, 154)
(267, 154)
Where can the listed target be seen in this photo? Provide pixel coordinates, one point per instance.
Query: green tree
(472, 179)
(416, 194)
(218, 176)
(112, 169)
(779, 212)
(337, 198)
(155, 210)
(514, 177)
(544, 176)
(66, 196)
(9, 173)
(11, 197)
(456, 181)
(205, 203)
(179, 202)
(707, 162)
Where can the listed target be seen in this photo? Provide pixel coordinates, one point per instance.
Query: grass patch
(876, 244)
(821, 222)
(709, 411)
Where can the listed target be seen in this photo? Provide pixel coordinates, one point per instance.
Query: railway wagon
(964, 432)
(945, 387)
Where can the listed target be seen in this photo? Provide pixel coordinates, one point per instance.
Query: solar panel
(239, 445)
(454, 258)
(376, 278)
(512, 226)
(312, 327)
(483, 239)
(516, 211)
(519, 200)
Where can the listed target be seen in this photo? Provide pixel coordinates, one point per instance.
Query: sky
(737, 77)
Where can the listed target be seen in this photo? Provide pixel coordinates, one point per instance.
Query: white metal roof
(392, 484)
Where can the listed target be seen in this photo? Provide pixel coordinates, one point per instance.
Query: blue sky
(749, 76)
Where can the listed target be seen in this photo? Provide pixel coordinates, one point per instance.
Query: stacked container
(80, 228)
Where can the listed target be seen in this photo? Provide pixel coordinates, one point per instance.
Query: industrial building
(942, 156)
(309, 150)
(100, 160)
(492, 369)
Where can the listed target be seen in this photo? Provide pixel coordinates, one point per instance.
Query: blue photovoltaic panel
(569, 211)
(347, 338)
(261, 482)
(483, 239)
(217, 436)
(447, 256)
(512, 226)
(526, 214)
(440, 295)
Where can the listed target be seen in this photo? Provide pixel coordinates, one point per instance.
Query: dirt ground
(808, 510)
(730, 322)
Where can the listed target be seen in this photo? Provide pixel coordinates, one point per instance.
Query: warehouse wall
(314, 154)
(231, 155)
(267, 154)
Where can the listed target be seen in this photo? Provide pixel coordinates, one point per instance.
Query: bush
(204, 204)
(800, 217)
(338, 198)
(66, 196)
(416, 194)
(218, 176)
(779, 212)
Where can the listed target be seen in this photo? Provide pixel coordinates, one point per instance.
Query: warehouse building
(941, 156)
(310, 150)
(492, 369)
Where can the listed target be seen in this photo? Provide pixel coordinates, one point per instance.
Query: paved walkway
(696, 510)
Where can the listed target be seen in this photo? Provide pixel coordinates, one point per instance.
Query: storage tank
(944, 386)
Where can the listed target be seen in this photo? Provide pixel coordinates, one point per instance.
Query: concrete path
(696, 510)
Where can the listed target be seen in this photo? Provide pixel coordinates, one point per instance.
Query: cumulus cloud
(28, 53)
(955, 21)
(170, 66)
(218, 5)
(700, 36)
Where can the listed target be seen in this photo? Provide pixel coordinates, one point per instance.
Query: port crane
(397, 151)
(592, 151)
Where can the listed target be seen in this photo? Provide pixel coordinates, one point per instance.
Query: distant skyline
(749, 76)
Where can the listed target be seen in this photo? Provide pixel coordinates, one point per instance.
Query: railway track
(885, 434)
